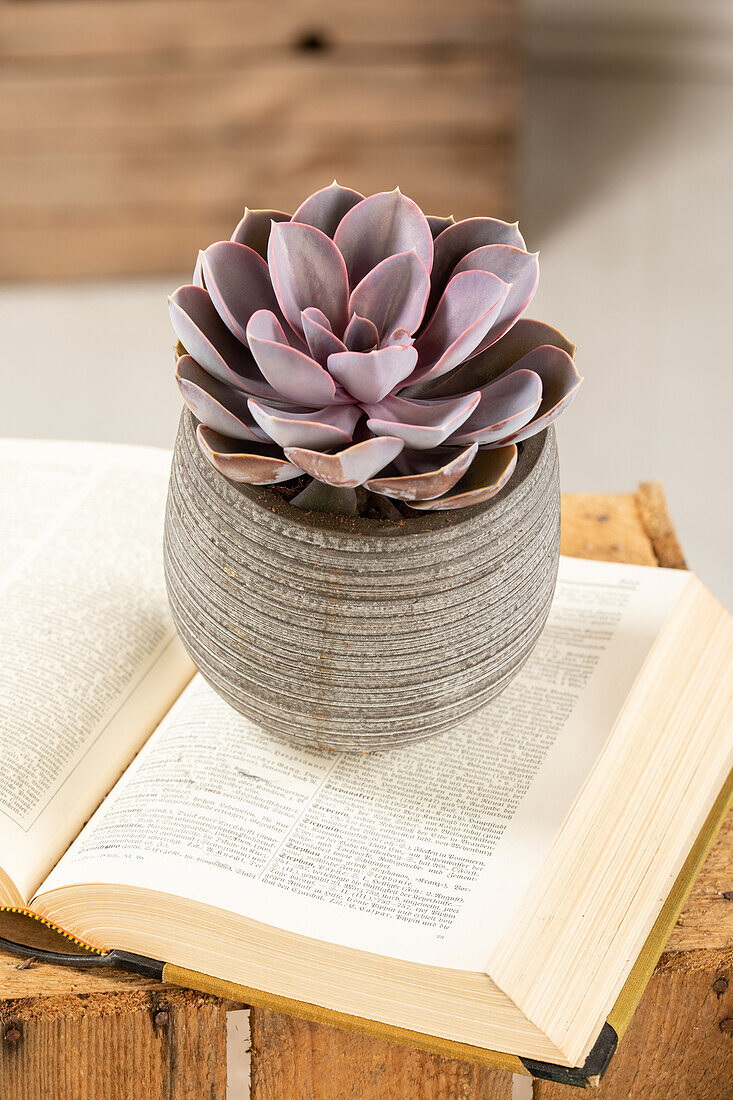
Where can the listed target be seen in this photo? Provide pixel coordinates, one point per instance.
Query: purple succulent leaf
(399, 336)
(319, 338)
(361, 342)
(254, 229)
(560, 383)
(524, 337)
(393, 294)
(361, 334)
(521, 270)
(290, 372)
(197, 278)
(380, 226)
(424, 476)
(217, 406)
(486, 476)
(325, 208)
(422, 424)
(370, 375)
(476, 372)
(438, 224)
(469, 306)
(457, 240)
(318, 430)
(307, 269)
(238, 283)
(506, 405)
(350, 467)
(207, 339)
(260, 464)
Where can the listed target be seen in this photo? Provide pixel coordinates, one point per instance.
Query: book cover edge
(584, 1076)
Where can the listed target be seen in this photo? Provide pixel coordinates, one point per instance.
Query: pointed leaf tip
(465, 313)
(393, 294)
(325, 208)
(307, 269)
(380, 226)
(255, 227)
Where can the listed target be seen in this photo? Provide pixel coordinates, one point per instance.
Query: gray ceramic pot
(357, 634)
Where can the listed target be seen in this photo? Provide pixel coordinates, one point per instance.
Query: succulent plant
(362, 343)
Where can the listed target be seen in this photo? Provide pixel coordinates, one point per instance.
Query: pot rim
(530, 452)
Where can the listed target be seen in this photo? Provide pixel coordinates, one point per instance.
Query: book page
(421, 852)
(90, 659)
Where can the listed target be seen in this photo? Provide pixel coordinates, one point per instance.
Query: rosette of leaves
(359, 343)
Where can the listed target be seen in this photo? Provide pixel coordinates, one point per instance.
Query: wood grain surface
(133, 133)
(85, 1031)
(293, 1058)
(127, 1044)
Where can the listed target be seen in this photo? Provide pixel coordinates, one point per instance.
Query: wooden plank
(172, 32)
(42, 984)
(293, 1058)
(112, 184)
(199, 109)
(165, 1044)
(123, 238)
(675, 1048)
(658, 525)
(112, 168)
(605, 527)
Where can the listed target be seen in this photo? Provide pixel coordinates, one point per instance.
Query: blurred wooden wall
(133, 132)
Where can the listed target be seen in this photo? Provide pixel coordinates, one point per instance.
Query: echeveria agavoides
(361, 343)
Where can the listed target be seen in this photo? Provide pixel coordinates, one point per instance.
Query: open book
(486, 893)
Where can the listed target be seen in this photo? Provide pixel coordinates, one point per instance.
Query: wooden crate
(133, 132)
(99, 1035)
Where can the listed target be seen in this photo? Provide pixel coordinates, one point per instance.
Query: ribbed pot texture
(348, 633)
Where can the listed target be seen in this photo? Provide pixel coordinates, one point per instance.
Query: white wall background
(628, 174)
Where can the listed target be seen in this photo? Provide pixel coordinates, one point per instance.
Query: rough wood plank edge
(166, 1045)
(77, 1004)
(294, 1058)
(652, 505)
